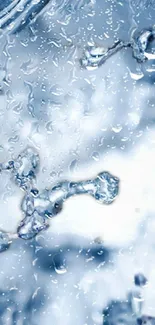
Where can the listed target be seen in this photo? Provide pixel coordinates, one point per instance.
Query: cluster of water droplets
(40, 206)
(94, 56)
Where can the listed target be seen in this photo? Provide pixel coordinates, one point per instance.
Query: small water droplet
(53, 174)
(136, 76)
(49, 127)
(73, 165)
(59, 265)
(95, 156)
(60, 270)
(117, 128)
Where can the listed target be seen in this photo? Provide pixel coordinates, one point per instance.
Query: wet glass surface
(77, 156)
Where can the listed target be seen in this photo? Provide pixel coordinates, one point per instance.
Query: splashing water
(38, 207)
(94, 56)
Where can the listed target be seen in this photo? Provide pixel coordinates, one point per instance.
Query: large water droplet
(73, 165)
(106, 187)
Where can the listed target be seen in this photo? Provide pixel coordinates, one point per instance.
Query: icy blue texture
(106, 188)
(4, 241)
(77, 98)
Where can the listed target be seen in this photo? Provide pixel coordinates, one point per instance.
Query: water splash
(30, 226)
(140, 43)
(95, 56)
(38, 206)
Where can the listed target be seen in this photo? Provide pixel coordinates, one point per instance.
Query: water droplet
(95, 156)
(28, 67)
(117, 128)
(60, 270)
(136, 76)
(92, 57)
(49, 127)
(53, 174)
(13, 139)
(106, 187)
(73, 165)
(59, 265)
(35, 192)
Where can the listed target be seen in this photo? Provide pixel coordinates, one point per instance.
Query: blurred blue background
(81, 122)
